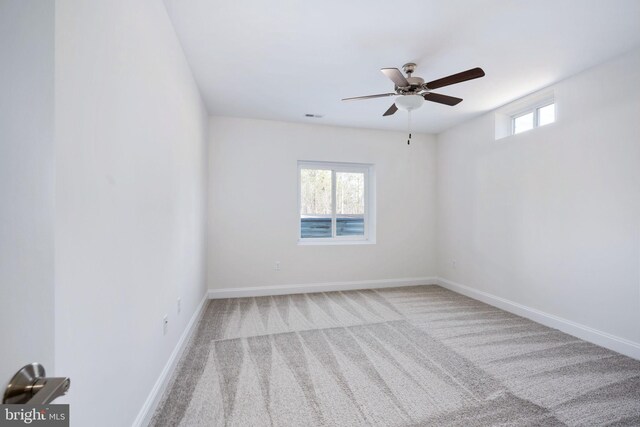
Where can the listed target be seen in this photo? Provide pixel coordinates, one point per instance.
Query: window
(524, 114)
(546, 114)
(523, 123)
(335, 202)
(536, 116)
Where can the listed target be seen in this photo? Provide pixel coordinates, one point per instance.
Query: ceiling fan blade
(381, 95)
(391, 110)
(442, 99)
(396, 76)
(471, 74)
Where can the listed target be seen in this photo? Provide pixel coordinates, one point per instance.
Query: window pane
(349, 204)
(523, 123)
(315, 203)
(546, 115)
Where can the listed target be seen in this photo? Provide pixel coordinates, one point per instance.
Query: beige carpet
(392, 357)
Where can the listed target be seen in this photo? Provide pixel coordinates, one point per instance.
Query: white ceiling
(281, 59)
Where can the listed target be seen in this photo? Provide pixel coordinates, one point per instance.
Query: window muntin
(536, 116)
(333, 202)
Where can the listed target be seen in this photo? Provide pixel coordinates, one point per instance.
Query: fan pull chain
(409, 127)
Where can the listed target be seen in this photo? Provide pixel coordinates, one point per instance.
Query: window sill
(330, 242)
(535, 130)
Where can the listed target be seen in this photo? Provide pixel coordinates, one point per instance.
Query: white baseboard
(260, 291)
(150, 405)
(604, 339)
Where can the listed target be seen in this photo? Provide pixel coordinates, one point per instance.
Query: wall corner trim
(259, 291)
(156, 393)
(595, 336)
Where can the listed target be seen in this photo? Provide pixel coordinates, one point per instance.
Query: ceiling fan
(413, 91)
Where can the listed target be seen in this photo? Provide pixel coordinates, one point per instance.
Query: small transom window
(536, 116)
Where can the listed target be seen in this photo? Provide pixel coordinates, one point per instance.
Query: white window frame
(535, 109)
(369, 203)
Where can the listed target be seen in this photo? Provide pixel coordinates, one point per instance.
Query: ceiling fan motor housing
(415, 82)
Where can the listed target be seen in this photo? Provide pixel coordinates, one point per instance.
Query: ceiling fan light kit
(409, 102)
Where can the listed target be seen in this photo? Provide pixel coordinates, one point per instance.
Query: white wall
(550, 218)
(130, 198)
(253, 213)
(26, 185)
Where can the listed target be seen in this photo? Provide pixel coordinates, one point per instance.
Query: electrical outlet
(165, 324)
(179, 305)
(276, 266)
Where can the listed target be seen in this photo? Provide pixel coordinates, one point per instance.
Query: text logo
(34, 415)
